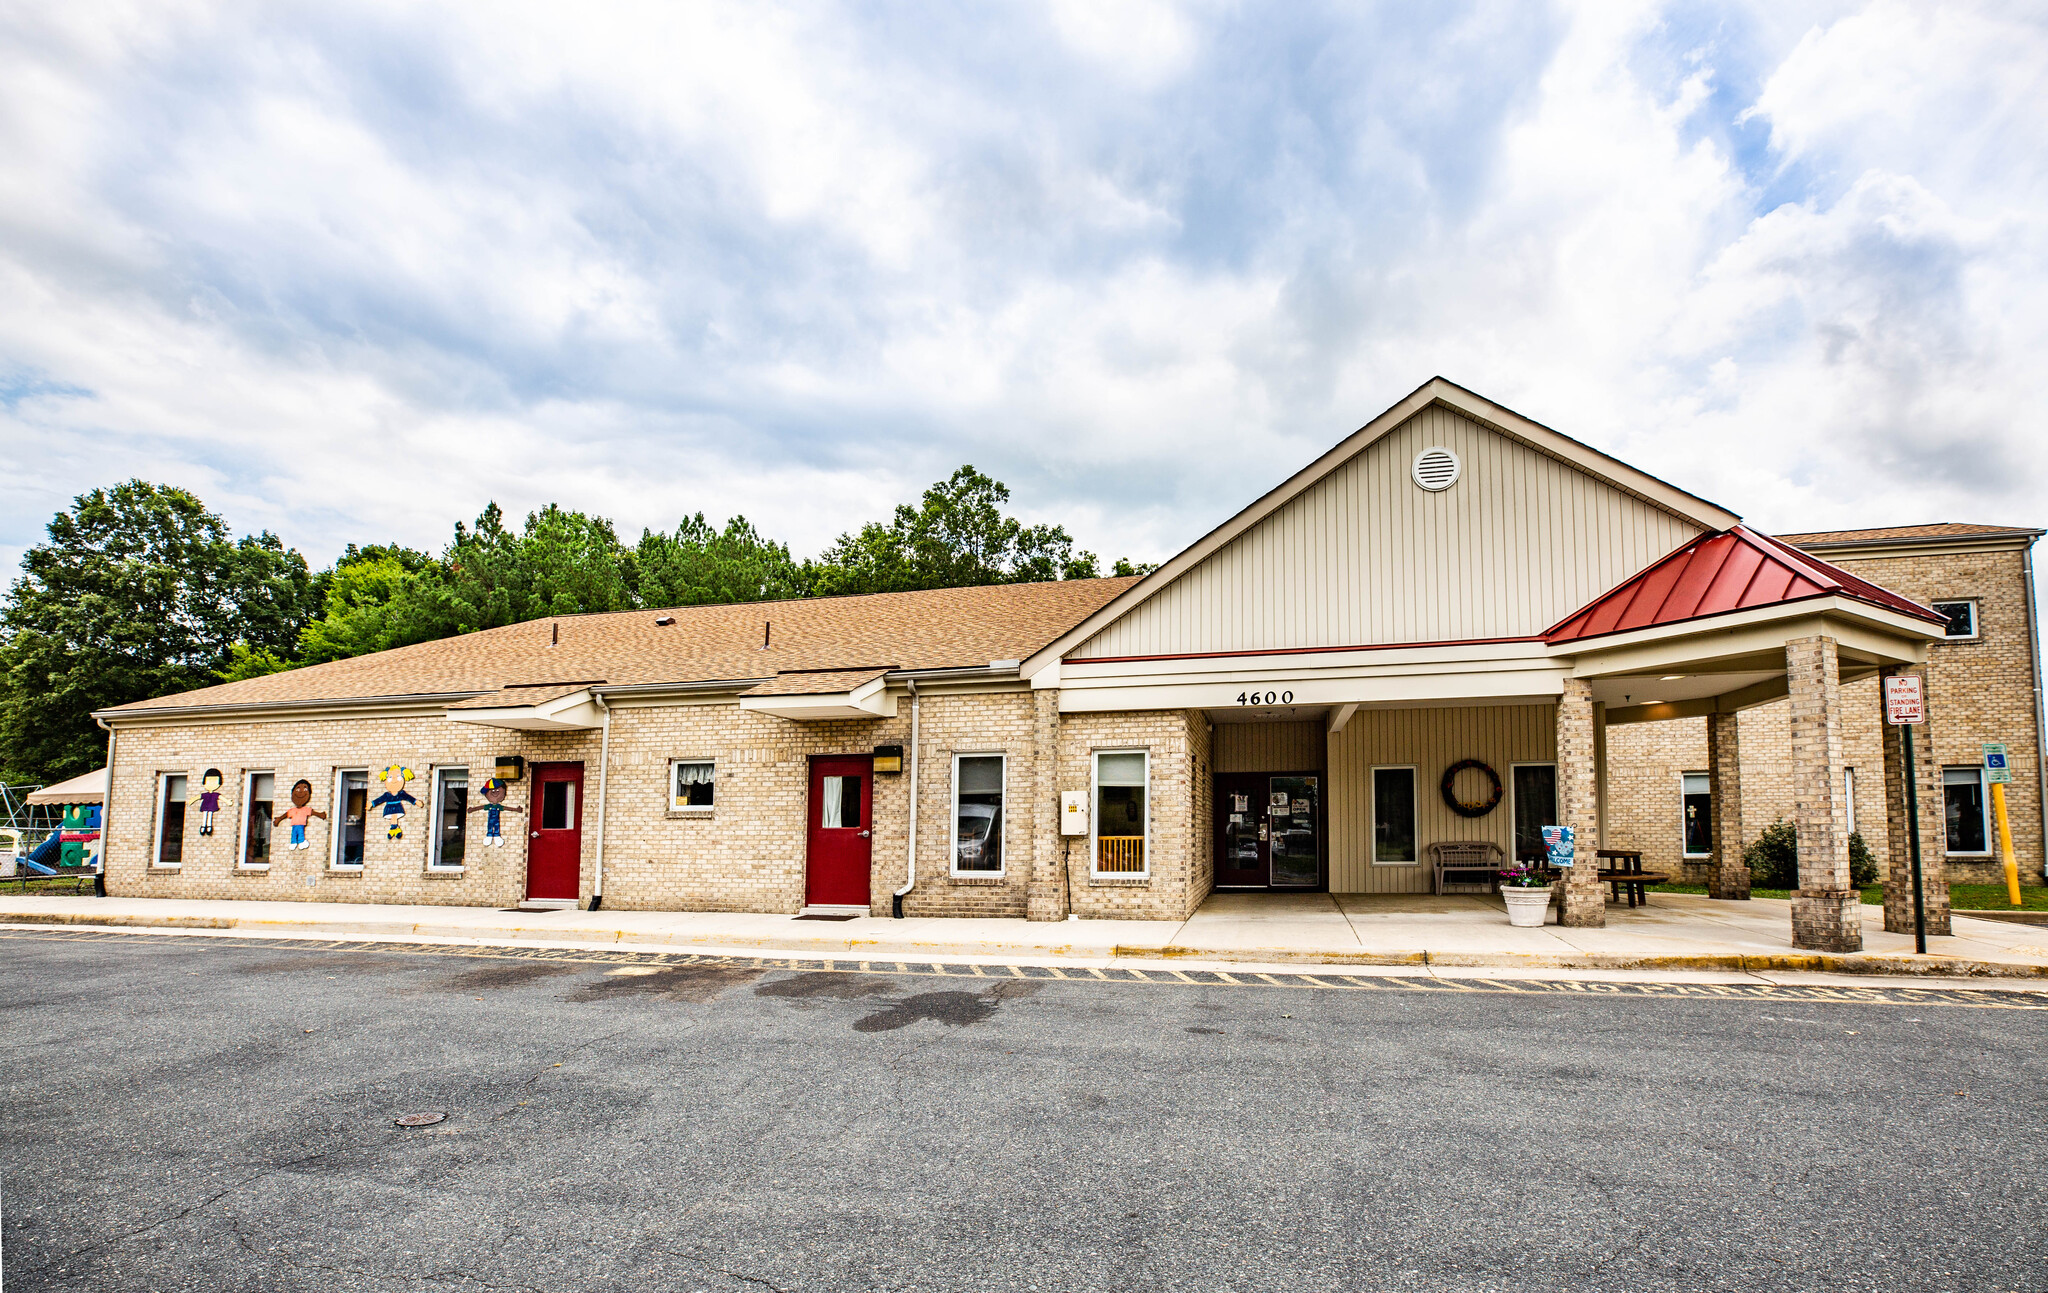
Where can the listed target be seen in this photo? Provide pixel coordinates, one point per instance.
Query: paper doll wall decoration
(494, 803)
(300, 814)
(208, 799)
(394, 799)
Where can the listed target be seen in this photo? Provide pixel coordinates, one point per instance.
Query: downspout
(2034, 649)
(604, 769)
(896, 903)
(99, 882)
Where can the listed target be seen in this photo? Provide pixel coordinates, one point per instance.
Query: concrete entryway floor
(1676, 932)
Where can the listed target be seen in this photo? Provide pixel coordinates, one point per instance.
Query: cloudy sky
(350, 270)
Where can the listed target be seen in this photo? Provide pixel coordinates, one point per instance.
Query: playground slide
(45, 853)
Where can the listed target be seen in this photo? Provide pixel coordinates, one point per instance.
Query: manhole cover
(421, 1119)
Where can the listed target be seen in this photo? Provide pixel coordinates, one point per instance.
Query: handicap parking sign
(1995, 764)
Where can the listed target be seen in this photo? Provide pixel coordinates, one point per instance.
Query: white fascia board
(872, 699)
(1264, 664)
(1437, 390)
(576, 712)
(1886, 635)
(1409, 689)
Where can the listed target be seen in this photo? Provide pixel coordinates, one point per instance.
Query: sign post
(1905, 707)
(1998, 772)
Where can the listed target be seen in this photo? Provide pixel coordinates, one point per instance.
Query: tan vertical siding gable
(1366, 557)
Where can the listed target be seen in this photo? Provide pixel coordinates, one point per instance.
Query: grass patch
(1961, 897)
(59, 883)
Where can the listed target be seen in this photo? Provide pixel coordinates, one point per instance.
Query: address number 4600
(1265, 698)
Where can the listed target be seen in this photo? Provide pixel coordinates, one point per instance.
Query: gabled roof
(1435, 391)
(943, 628)
(1715, 574)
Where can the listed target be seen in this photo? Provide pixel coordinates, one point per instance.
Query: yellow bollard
(2012, 868)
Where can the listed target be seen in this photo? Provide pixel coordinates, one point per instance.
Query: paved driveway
(192, 1113)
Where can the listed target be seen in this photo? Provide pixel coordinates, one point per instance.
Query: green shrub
(1773, 859)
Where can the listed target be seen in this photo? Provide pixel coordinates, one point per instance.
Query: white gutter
(2040, 738)
(99, 882)
(896, 903)
(604, 768)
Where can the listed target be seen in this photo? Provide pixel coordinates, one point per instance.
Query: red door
(554, 854)
(841, 831)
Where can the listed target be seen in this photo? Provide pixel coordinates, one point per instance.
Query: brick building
(1420, 640)
(1983, 678)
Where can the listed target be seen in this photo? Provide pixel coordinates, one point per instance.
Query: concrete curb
(1731, 962)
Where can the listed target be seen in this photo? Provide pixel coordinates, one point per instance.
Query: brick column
(1578, 804)
(1898, 872)
(1047, 895)
(1827, 915)
(1727, 875)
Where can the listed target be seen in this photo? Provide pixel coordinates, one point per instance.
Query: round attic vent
(1436, 468)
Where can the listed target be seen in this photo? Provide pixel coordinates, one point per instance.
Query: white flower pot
(1526, 907)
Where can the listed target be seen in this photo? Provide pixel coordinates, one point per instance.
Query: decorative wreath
(1459, 806)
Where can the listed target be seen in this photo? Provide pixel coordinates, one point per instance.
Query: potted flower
(1526, 894)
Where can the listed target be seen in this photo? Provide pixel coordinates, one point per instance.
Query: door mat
(829, 915)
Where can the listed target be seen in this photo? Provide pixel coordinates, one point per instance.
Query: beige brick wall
(1978, 691)
(747, 854)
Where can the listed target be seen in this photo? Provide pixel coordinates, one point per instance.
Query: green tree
(701, 564)
(139, 591)
(370, 603)
(956, 537)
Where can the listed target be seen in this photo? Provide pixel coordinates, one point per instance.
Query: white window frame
(1976, 618)
(1514, 808)
(1698, 772)
(1095, 817)
(249, 775)
(1003, 838)
(434, 835)
(1849, 795)
(163, 790)
(338, 823)
(692, 810)
(1372, 817)
(1983, 798)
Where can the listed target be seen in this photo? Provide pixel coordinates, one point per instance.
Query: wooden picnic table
(1627, 877)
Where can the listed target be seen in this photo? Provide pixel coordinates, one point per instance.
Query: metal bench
(1481, 858)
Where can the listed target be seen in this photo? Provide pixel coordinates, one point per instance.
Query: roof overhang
(578, 711)
(869, 699)
(85, 788)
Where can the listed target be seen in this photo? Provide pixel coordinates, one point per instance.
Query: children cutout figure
(494, 803)
(208, 799)
(300, 814)
(394, 799)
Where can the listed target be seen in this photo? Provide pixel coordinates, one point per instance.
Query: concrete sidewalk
(1680, 932)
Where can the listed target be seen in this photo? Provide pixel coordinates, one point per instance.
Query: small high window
(1393, 816)
(259, 793)
(691, 785)
(1962, 794)
(1961, 617)
(170, 820)
(451, 817)
(978, 814)
(1121, 780)
(839, 802)
(1696, 809)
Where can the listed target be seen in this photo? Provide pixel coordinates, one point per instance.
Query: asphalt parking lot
(198, 1113)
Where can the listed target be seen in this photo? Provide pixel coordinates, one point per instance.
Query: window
(1534, 787)
(1393, 816)
(978, 814)
(841, 802)
(690, 785)
(1962, 794)
(557, 805)
(1696, 815)
(1961, 617)
(351, 807)
(451, 817)
(1849, 796)
(170, 820)
(1121, 777)
(259, 793)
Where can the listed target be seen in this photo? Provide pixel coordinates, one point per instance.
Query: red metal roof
(1732, 570)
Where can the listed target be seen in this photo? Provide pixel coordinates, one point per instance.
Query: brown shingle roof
(1894, 533)
(945, 628)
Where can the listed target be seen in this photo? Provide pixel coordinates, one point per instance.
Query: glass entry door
(1269, 830)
